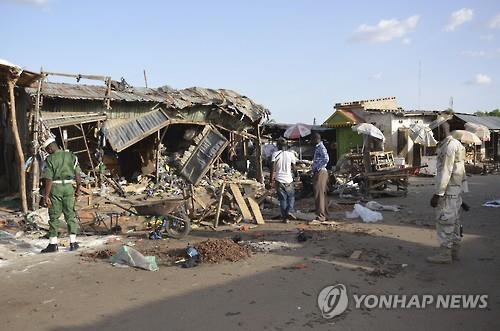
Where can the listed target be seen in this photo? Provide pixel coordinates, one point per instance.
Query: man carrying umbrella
(320, 177)
(450, 184)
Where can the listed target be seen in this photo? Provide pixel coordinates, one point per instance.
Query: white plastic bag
(367, 215)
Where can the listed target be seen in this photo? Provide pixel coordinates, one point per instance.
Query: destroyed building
(123, 127)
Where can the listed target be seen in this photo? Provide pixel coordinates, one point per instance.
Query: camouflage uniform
(61, 167)
(450, 184)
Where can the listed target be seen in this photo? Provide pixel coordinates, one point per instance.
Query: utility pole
(145, 78)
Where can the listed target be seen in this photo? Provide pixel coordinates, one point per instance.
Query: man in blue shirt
(320, 177)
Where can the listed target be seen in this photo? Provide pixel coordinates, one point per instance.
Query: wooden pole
(19, 149)
(35, 173)
(258, 155)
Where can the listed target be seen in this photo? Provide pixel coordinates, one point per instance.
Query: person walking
(320, 177)
(282, 169)
(450, 184)
(60, 172)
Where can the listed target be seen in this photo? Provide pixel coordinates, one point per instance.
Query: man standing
(60, 172)
(450, 184)
(320, 177)
(282, 168)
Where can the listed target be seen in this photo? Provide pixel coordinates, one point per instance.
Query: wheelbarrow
(175, 226)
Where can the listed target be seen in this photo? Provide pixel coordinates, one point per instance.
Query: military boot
(51, 248)
(454, 252)
(443, 257)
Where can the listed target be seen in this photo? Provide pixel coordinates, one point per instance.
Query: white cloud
(474, 53)
(495, 22)
(39, 3)
(480, 79)
(376, 76)
(406, 41)
(385, 30)
(458, 18)
(483, 54)
(487, 37)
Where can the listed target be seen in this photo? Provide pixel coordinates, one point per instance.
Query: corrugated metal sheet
(95, 92)
(491, 122)
(121, 136)
(55, 120)
(227, 100)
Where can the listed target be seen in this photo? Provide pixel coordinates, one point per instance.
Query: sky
(297, 58)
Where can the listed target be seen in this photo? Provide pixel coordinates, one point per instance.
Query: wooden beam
(19, 148)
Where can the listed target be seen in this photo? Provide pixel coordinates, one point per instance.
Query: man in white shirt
(282, 168)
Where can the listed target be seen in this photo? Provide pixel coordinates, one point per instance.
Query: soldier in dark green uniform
(60, 173)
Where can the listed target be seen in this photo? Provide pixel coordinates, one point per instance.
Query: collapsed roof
(228, 100)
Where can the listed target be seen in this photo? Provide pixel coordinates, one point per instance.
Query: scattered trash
(127, 256)
(272, 246)
(492, 204)
(356, 255)
(374, 205)
(367, 215)
(155, 235)
(193, 258)
(301, 236)
(98, 255)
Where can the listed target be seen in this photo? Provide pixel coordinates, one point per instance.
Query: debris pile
(220, 250)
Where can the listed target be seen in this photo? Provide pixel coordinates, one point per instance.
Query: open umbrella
(370, 130)
(297, 131)
(466, 137)
(422, 134)
(479, 130)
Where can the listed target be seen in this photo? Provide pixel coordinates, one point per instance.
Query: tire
(178, 229)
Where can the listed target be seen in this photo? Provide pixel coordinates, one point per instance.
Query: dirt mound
(97, 255)
(219, 250)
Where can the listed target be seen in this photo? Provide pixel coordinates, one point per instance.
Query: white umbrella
(297, 131)
(479, 130)
(370, 130)
(422, 134)
(466, 137)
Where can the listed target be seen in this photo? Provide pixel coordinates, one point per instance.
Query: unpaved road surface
(275, 290)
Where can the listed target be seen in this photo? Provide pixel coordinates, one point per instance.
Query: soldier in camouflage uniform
(450, 184)
(60, 173)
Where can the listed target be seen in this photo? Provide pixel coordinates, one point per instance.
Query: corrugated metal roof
(95, 92)
(228, 100)
(491, 122)
(123, 135)
(55, 120)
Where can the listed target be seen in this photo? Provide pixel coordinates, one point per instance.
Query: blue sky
(297, 58)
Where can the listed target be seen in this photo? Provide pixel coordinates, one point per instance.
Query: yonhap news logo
(333, 300)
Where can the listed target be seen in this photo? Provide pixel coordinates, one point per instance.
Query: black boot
(73, 246)
(51, 248)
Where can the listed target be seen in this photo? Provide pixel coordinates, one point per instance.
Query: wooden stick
(219, 205)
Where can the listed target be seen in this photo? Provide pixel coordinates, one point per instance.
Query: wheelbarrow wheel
(177, 228)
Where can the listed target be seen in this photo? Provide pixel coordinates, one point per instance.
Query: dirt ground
(274, 290)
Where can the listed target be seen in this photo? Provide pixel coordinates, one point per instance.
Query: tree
(495, 112)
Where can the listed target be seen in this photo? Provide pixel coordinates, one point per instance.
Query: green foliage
(495, 112)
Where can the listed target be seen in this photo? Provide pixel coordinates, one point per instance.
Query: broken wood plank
(219, 205)
(256, 211)
(245, 212)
